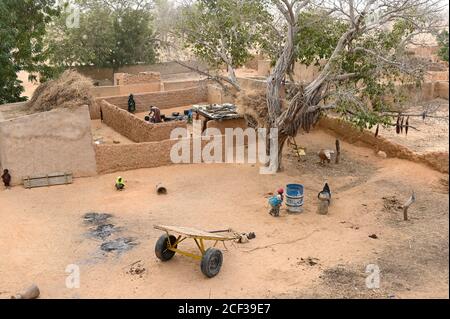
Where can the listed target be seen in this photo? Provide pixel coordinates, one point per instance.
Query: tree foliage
(316, 37)
(22, 28)
(443, 45)
(106, 37)
(377, 68)
(224, 32)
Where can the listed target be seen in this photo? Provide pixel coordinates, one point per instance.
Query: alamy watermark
(373, 279)
(221, 148)
(73, 279)
(72, 11)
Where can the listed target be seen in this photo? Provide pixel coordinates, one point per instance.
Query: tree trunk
(281, 142)
(232, 74)
(274, 84)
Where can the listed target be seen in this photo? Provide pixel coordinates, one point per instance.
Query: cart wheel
(161, 250)
(211, 262)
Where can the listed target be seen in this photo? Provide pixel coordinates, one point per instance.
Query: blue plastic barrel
(294, 198)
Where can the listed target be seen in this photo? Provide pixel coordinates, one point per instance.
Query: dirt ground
(43, 230)
(102, 133)
(430, 135)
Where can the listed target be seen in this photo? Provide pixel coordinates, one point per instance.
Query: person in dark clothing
(6, 177)
(131, 104)
(155, 115)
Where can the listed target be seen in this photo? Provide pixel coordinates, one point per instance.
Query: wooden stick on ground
(408, 203)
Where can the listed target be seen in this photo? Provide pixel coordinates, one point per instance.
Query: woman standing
(131, 104)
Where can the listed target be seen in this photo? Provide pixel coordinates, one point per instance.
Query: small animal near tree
(325, 156)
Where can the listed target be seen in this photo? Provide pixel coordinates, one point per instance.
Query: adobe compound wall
(437, 160)
(167, 68)
(58, 141)
(162, 100)
(105, 91)
(134, 128)
(140, 78)
(122, 157)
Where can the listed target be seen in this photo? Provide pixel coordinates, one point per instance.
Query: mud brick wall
(140, 78)
(216, 95)
(180, 85)
(441, 89)
(50, 142)
(133, 127)
(165, 68)
(162, 100)
(119, 90)
(436, 160)
(222, 125)
(122, 157)
(436, 76)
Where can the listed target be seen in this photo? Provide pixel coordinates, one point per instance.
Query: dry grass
(253, 105)
(70, 90)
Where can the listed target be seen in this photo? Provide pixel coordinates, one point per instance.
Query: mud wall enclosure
(133, 127)
(162, 100)
(58, 141)
(436, 160)
(121, 157)
(166, 69)
(113, 158)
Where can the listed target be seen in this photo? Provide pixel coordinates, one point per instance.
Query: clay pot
(161, 189)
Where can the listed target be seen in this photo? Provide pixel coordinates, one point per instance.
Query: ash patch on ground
(96, 218)
(119, 244)
(103, 229)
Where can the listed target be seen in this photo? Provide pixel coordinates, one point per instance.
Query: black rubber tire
(161, 250)
(211, 262)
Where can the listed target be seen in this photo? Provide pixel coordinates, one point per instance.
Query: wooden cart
(210, 258)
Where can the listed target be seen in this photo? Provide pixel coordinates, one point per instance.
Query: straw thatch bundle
(253, 105)
(70, 90)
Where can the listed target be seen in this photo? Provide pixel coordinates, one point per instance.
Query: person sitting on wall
(131, 104)
(120, 185)
(6, 177)
(155, 115)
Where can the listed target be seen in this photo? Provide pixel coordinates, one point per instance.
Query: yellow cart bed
(210, 258)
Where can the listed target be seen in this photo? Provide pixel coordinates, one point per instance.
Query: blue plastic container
(294, 198)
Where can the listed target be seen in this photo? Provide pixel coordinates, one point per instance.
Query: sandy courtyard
(293, 256)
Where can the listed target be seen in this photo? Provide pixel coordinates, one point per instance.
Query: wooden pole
(408, 203)
(338, 151)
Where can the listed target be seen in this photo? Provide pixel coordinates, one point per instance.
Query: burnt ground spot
(103, 229)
